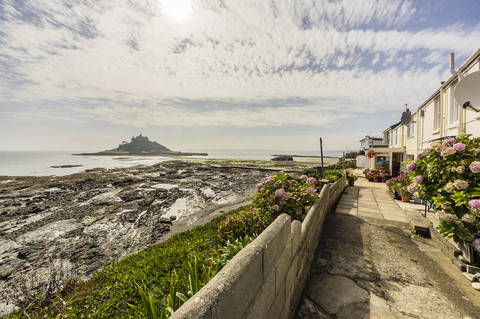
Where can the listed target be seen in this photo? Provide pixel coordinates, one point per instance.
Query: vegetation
(448, 175)
(112, 290)
(155, 282)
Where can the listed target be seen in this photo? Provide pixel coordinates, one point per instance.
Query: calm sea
(37, 163)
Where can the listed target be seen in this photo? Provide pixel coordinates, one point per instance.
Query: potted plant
(404, 193)
(368, 175)
(393, 186)
(351, 179)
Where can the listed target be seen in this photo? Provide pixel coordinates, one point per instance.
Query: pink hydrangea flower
(447, 151)
(468, 218)
(474, 203)
(418, 179)
(476, 244)
(311, 190)
(411, 166)
(412, 188)
(279, 193)
(276, 208)
(448, 140)
(311, 180)
(441, 215)
(267, 179)
(477, 150)
(459, 146)
(475, 167)
(460, 184)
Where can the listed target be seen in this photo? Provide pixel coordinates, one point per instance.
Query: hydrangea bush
(286, 193)
(448, 175)
(283, 193)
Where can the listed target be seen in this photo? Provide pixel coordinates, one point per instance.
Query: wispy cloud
(126, 61)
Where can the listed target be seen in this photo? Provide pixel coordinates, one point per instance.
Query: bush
(246, 222)
(448, 175)
(286, 193)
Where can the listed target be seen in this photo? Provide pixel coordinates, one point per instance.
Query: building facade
(437, 118)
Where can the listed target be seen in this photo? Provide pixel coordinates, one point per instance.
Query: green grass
(109, 293)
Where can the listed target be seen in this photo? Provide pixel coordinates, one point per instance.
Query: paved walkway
(369, 265)
(368, 199)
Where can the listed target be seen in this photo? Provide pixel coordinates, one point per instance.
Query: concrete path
(368, 199)
(369, 265)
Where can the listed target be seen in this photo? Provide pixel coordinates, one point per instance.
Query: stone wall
(266, 278)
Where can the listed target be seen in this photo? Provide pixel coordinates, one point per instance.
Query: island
(142, 146)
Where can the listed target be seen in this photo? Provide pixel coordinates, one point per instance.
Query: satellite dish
(406, 117)
(467, 92)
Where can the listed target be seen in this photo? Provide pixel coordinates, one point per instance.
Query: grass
(391, 240)
(113, 289)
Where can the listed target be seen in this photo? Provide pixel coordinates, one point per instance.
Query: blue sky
(226, 74)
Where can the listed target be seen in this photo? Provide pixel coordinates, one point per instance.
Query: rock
(89, 219)
(309, 310)
(476, 285)
(282, 158)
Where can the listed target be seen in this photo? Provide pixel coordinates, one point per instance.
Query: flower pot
(405, 197)
(351, 182)
(397, 196)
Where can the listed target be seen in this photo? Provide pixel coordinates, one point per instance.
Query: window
(455, 109)
(410, 130)
(437, 119)
(455, 112)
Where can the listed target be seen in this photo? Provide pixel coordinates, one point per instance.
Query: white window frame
(410, 130)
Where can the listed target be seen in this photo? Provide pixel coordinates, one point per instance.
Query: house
(437, 118)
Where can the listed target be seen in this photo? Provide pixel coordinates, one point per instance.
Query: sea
(47, 163)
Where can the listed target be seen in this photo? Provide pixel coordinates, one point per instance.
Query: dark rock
(88, 219)
(282, 158)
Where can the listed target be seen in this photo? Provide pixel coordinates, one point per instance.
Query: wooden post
(321, 156)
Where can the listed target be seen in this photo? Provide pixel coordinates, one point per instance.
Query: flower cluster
(401, 184)
(448, 175)
(286, 193)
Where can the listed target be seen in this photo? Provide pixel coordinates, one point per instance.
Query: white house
(435, 119)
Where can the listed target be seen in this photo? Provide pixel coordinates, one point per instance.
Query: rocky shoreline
(83, 221)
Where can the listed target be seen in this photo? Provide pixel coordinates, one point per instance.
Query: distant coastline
(141, 146)
(112, 153)
(312, 156)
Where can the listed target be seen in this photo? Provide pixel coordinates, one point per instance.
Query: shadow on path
(373, 268)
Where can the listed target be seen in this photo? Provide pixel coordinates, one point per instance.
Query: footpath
(369, 264)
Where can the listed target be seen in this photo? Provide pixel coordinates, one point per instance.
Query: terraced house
(440, 116)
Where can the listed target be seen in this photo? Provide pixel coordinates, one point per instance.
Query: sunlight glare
(177, 9)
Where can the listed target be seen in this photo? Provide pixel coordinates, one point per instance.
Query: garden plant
(448, 175)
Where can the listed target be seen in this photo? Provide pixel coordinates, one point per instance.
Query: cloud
(127, 62)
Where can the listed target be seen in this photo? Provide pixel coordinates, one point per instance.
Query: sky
(221, 74)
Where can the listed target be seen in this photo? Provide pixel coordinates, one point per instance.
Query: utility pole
(321, 156)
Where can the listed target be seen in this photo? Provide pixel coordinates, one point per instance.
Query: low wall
(266, 278)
